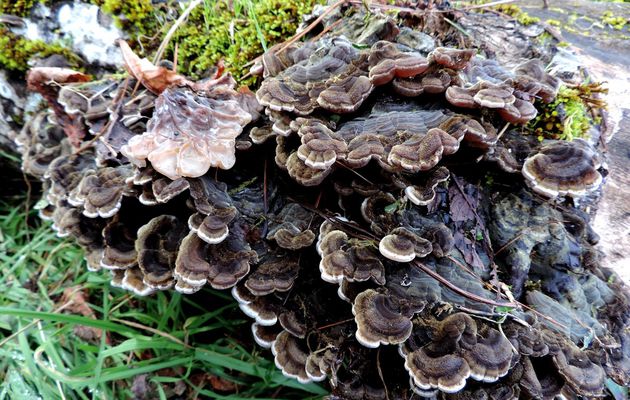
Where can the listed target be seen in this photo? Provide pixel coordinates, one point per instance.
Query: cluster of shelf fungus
(377, 206)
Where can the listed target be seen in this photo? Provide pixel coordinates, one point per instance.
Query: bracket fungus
(373, 231)
(563, 169)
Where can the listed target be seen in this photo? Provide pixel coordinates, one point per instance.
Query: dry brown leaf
(154, 78)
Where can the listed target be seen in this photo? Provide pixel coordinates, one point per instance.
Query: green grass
(180, 342)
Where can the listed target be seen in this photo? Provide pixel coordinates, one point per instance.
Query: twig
(310, 27)
(459, 290)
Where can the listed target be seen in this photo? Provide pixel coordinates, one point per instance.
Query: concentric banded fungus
(290, 230)
(458, 350)
(119, 241)
(388, 62)
(264, 336)
(275, 274)
(188, 143)
(290, 357)
(348, 259)
(215, 210)
(157, 245)
(381, 319)
(100, 193)
(331, 78)
(563, 168)
(477, 231)
(423, 195)
(579, 372)
(403, 245)
(221, 265)
(320, 146)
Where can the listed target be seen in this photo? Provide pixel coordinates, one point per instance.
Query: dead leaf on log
(46, 81)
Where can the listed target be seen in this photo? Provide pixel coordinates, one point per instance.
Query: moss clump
(618, 23)
(139, 18)
(568, 116)
(21, 8)
(220, 31)
(16, 51)
(516, 12)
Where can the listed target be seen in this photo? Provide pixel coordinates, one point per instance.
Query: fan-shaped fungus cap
(423, 152)
(402, 245)
(290, 229)
(424, 194)
(490, 357)
(156, 246)
(119, 245)
(265, 335)
(429, 370)
(381, 319)
(100, 192)
(320, 146)
(133, 281)
(331, 78)
(221, 265)
(189, 133)
(165, 189)
(291, 323)
(212, 228)
(580, 373)
(274, 274)
(388, 62)
(318, 364)
(563, 168)
(304, 174)
(451, 58)
(290, 357)
(346, 259)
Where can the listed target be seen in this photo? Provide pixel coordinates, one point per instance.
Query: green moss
(568, 116)
(139, 18)
(553, 22)
(15, 51)
(236, 35)
(21, 8)
(235, 31)
(516, 12)
(618, 23)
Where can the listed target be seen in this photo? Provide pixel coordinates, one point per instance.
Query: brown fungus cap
(388, 62)
(583, 376)
(403, 245)
(119, 245)
(348, 259)
(276, 274)
(320, 147)
(101, 192)
(423, 152)
(264, 336)
(290, 229)
(133, 281)
(221, 265)
(451, 58)
(563, 168)
(424, 194)
(332, 78)
(304, 174)
(458, 349)
(157, 246)
(290, 356)
(381, 319)
(165, 189)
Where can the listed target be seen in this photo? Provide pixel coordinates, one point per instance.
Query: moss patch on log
(16, 51)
